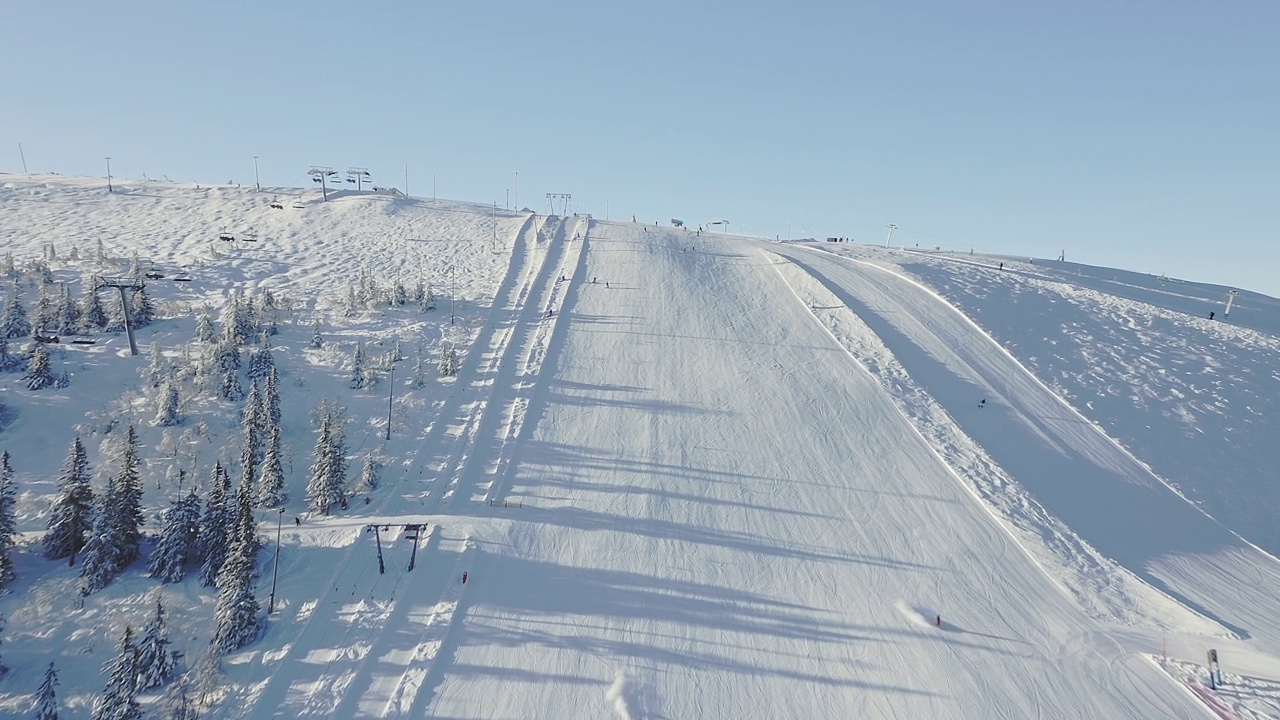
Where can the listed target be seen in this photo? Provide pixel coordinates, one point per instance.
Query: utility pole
(275, 570)
(24, 159)
(517, 189)
(109, 185)
(508, 203)
(406, 180)
(892, 227)
(256, 184)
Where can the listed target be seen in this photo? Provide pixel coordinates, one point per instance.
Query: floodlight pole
(517, 188)
(391, 395)
(275, 570)
(256, 184)
(892, 227)
(24, 159)
(1231, 298)
(109, 187)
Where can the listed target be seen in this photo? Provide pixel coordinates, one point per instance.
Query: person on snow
(937, 622)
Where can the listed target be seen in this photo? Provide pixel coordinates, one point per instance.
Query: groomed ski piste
(685, 474)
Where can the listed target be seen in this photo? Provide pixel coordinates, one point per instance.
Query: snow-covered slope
(683, 475)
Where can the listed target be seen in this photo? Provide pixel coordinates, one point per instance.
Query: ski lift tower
(321, 174)
(358, 177)
(122, 284)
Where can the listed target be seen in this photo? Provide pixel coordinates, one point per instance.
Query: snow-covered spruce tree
(327, 485)
(317, 340)
(67, 314)
(215, 526)
(368, 480)
(399, 295)
(39, 369)
(92, 315)
(251, 430)
(167, 415)
(157, 370)
(265, 313)
(8, 526)
(205, 331)
(155, 661)
(142, 310)
(9, 361)
(115, 315)
(177, 703)
(237, 612)
(42, 273)
(119, 699)
(261, 362)
(237, 321)
(43, 314)
(271, 399)
(46, 707)
(419, 379)
(228, 361)
(179, 541)
(116, 538)
(13, 321)
(70, 519)
(448, 366)
(358, 375)
(7, 267)
(271, 485)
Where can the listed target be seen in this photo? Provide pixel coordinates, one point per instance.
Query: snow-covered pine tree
(179, 541)
(177, 703)
(157, 367)
(368, 480)
(215, 525)
(115, 315)
(46, 707)
(271, 398)
(327, 485)
(39, 369)
(13, 321)
(155, 661)
(167, 414)
(71, 517)
(448, 366)
(92, 314)
(43, 314)
(9, 361)
(419, 379)
(67, 314)
(317, 340)
(358, 375)
(237, 612)
(229, 387)
(8, 526)
(271, 485)
(119, 699)
(142, 310)
(116, 538)
(261, 362)
(265, 319)
(399, 295)
(205, 331)
(251, 430)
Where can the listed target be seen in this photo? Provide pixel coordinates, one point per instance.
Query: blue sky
(1138, 134)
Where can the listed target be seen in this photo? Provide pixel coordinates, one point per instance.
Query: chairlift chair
(226, 237)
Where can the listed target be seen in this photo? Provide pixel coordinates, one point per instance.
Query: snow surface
(723, 478)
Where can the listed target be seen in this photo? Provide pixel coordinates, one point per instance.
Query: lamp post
(275, 570)
(109, 175)
(889, 237)
(391, 395)
(256, 184)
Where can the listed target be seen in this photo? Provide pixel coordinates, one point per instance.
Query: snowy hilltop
(378, 456)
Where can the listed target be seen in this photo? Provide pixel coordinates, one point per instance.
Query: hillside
(684, 475)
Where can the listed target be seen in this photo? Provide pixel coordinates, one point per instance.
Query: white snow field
(685, 475)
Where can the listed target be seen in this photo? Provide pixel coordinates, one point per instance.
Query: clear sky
(1140, 134)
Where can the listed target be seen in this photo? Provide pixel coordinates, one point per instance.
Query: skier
(982, 403)
(1001, 266)
(1210, 314)
(297, 520)
(937, 622)
(606, 283)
